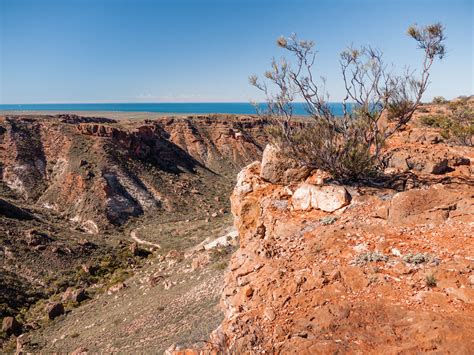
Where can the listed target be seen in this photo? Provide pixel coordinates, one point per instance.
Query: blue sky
(182, 50)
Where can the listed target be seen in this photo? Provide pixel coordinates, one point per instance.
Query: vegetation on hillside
(457, 126)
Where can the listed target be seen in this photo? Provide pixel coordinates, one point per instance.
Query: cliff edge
(325, 268)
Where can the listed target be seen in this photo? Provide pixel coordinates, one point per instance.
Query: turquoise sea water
(178, 108)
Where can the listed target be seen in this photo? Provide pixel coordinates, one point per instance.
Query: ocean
(171, 108)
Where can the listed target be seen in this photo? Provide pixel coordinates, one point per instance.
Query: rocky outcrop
(99, 130)
(74, 295)
(222, 143)
(54, 310)
(23, 157)
(432, 205)
(280, 169)
(320, 270)
(75, 119)
(426, 160)
(11, 326)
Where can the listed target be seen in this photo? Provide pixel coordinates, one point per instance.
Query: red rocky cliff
(324, 268)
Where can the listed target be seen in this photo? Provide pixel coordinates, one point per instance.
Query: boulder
(466, 295)
(353, 278)
(155, 279)
(134, 249)
(330, 198)
(464, 211)
(424, 135)
(327, 198)
(74, 295)
(84, 243)
(21, 342)
(10, 326)
(279, 169)
(381, 211)
(86, 268)
(301, 199)
(318, 177)
(54, 310)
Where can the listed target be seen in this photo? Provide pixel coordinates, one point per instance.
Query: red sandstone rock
(279, 169)
(431, 205)
(299, 286)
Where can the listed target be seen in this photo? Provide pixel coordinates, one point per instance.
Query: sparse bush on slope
(458, 125)
(439, 100)
(461, 127)
(377, 104)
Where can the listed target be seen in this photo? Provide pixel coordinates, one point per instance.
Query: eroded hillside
(87, 202)
(98, 172)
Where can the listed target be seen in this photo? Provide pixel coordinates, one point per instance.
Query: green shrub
(119, 275)
(461, 130)
(435, 121)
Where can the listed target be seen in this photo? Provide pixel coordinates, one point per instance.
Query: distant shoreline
(108, 114)
(120, 115)
(117, 115)
(161, 109)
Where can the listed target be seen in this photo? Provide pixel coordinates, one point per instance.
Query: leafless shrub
(349, 146)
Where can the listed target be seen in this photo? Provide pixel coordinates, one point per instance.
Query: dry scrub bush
(458, 125)
(377, 104)
(440, 100)
(461, 122)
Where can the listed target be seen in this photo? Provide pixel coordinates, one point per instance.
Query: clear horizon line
(160, 102)
(126, 102)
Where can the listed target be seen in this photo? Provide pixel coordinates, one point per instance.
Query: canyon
(86, 202)
(310, 266)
